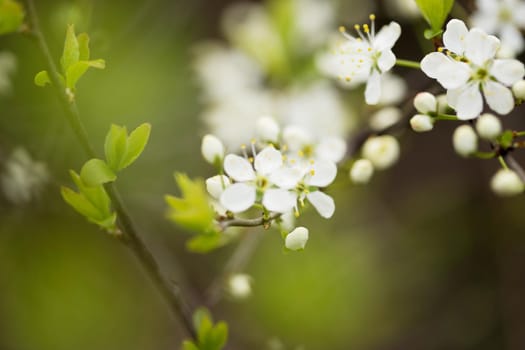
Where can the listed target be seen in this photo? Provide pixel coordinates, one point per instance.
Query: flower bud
(240, 286)
(216, 185)
(506, 183)
(385, 118)
(361, 172)
(442, 103)
(488, 126)
(421, 123)
(425, 102)
(382, 151)
(267, 129)
(465, 140)
(212, 148)
(296, 240)
(518, 89)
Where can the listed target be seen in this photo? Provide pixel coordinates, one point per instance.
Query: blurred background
(423, 257)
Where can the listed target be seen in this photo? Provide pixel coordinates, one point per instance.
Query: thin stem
(261, 221)
(503, 163)
(446, 117)
(519, 133)
(484, 155)
(129, 236)
(408, 64)
(514, 165)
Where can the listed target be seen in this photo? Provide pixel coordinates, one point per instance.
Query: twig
(129, 235)
(261, 221)
(514, 165)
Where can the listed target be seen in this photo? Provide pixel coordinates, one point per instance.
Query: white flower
(468, 66)
(366, 58)
(504, 18)
(212, 149)
(488, 126)
(242, 195)
(393, 89)
(267, 129)
(383, 151)
(296, 240)
(215, 185)
(385, 118)
(240, 286)
(421, 123)
(361, 172)
(518, 89)
(465, 140)
(506, 183)
(425, 103)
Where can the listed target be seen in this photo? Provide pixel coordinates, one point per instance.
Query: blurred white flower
(239, 286)
(405, 9)
(23, 178)
(468, 67)
(296, 240)
(383, 151)
(267, 129)
(361, 171)
(313, 21)
(393, 89)
(504, 18)
(488, 126)
(7, 68)
(385, 118)
(518, 89)
(212, 149)
(425, 103)
(465, 140)
(506, 183)
(421, 123)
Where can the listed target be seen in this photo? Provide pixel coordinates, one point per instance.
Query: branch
(129, 235)
(261, 221)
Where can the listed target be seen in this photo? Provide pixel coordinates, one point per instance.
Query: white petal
(507, 71)
(480, 47)
(498, 97)
(296, 240)
(278, 200)
(373, 88)
(469, 102)
(238, 168)
(286, 177)
(323, 203)
(386, 61)
(238, 197)
(268, 160)
(296, 137)
(387, 36)
(452, 97)
(331, 148)
(216, 185)
(511, 38)
(449, 73)
(454, 36)
(324, 173)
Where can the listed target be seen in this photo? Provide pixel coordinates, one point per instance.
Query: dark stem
(261, 221)
(129, 235)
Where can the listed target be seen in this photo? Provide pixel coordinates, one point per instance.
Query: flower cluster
(278, 173)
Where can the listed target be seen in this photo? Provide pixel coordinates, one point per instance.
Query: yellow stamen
(342, 29)
(365, 28)
(372, 17)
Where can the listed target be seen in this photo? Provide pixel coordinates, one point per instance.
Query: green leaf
(78, 69)
(136, 143)
(431, 33)
(205, 243)
(218, 336)
(435, 12)
(96, 195)
(11, 16)
(506, 139)
(71, 53)
(80, 203)
(188, 345)
(115, 146)
(83, 47)
(42, 78)
(96, 172)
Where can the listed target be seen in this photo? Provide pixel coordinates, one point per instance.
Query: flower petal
(238, 168)
(279, 200)
(449, 73)
(238, 197)
(268, 160)
(480, 47)
(498, 97)
(323, 203)
(507, 71)
(286, 177)
(216, 185)
(324, 173)
(454, 36)
(331, 148)
(387, 37)
(469, 102)
(373, 88)
(511, 38)
(386, 61)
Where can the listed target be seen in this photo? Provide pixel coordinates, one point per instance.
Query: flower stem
(129, 236)
(446, 117)
(408, 64)
(519, 133)
(503, 163)
(484, 155)
(261, 221)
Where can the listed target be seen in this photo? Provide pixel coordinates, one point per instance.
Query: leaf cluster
(210, 336)
(435, 13)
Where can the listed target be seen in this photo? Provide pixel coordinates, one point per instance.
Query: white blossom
(267, 129)
(465, 140)
(425, 103)
(8, 66)
(215, 185)
(296, 240)
(361, 171)
(488, 126)
(212, 149)
(421, 123)
(506, 183)
(239, 285)
(467, 67)
(385, 118)
(518, 89)
(504, 18)
(383, 151)
(368, 57)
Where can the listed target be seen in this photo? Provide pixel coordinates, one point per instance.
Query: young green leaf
(11, 16)
(71, 53)
(435, 12)
(80, 203)
(188, 345)
(115, 146)
(83, 47)
(42, 78)
(96, 195)
(136, 143)
(206, 242)
(96, 172)
(78, 69)
(218, 336)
